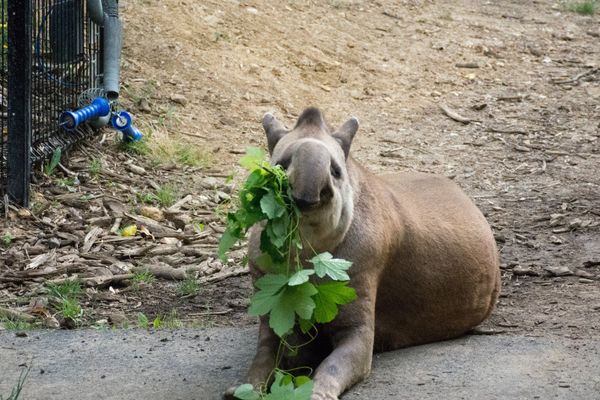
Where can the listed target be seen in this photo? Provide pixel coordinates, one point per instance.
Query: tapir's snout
(309, 176)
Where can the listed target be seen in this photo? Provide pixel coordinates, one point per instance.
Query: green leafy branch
(290, 294)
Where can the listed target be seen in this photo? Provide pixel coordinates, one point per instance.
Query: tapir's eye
(335, 170)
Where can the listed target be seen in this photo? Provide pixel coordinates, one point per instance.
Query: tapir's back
(444, 271)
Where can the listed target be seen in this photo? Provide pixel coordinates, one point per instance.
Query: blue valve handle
(121, 121)
(70, 120)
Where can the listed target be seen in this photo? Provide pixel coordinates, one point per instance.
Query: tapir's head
(315, 159)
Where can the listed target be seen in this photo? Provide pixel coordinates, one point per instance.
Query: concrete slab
(199, 364)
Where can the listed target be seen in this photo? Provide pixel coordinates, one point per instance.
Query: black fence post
(19, 101)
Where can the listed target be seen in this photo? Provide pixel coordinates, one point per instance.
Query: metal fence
(51, 54)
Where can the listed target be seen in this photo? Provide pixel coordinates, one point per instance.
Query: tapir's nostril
(305, 204)
(326, 193)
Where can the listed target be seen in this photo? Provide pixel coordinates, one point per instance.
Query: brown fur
(425, 264)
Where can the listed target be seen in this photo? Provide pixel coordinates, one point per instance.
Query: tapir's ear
(274, 130)
(346, 133)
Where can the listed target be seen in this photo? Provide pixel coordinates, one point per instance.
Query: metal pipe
(105, 13)
(95, 11)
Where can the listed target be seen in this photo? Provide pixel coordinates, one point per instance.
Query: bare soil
(524, 78)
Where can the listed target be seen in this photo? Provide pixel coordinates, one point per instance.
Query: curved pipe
(95, 11)
(105, 13)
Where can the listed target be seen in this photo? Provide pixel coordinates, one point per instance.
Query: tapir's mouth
(308, 206)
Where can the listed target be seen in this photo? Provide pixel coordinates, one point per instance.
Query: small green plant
(65, 290)
(588, 7)
(144, 277)
(288, 292)
(14, 324)
(7, 239)
(172, 321)
(95, 168)
(143, 321)
(198, 227)
(146, 198)
(16, 391)
(139, 148)
(68, 183)
(192, 156)
(166, 195)
(66, 295)
(188, 287)
(50, 166)
(71, 309)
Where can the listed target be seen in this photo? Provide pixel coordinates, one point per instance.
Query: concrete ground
(199, 364)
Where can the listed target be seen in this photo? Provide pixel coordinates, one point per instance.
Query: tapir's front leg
(350, 360)
(264, 359)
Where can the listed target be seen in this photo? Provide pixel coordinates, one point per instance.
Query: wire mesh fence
(4, 101)
(51, 54)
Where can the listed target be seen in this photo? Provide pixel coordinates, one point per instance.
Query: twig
(517, 131)
(390, 153)
(175, 207)
(454, 115)
(224, 275)
(389, 14)
(66, 170)
(204, 314)
(164, 271)
(485, 331)
(578, 76)
(14, 314)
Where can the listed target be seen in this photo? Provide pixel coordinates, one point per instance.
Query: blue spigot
(70, 120)
(121, 121)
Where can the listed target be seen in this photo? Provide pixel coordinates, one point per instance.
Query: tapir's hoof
(323, 396)
(228, 394)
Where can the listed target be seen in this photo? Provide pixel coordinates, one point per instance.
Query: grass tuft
(16, 391)
(66, 296)
(139, 148)
(144, 277)
(14, 324)
(166, 195)
(66, 290)
(188, 287)
(588, 7)
(95, 168)
(7, 239)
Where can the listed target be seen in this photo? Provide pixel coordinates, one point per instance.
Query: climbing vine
(290, 294)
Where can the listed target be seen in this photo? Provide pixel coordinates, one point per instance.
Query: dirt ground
(524, 78)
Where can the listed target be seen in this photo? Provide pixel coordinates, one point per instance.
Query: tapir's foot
(323, 396)
(228, 394)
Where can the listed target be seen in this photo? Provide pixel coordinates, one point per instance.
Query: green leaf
(306, 324)
(246, 392)
(270, 206)
(227, 241)
(293, 300)
(300, 277)
(283, 388)
(304, 390)
(253, 159)
(335, 268)
(56, 156)
(269, 294)
(329, 296)
(257, 179)
(301, 380)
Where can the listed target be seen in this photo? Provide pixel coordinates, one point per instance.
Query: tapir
(425, 265)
